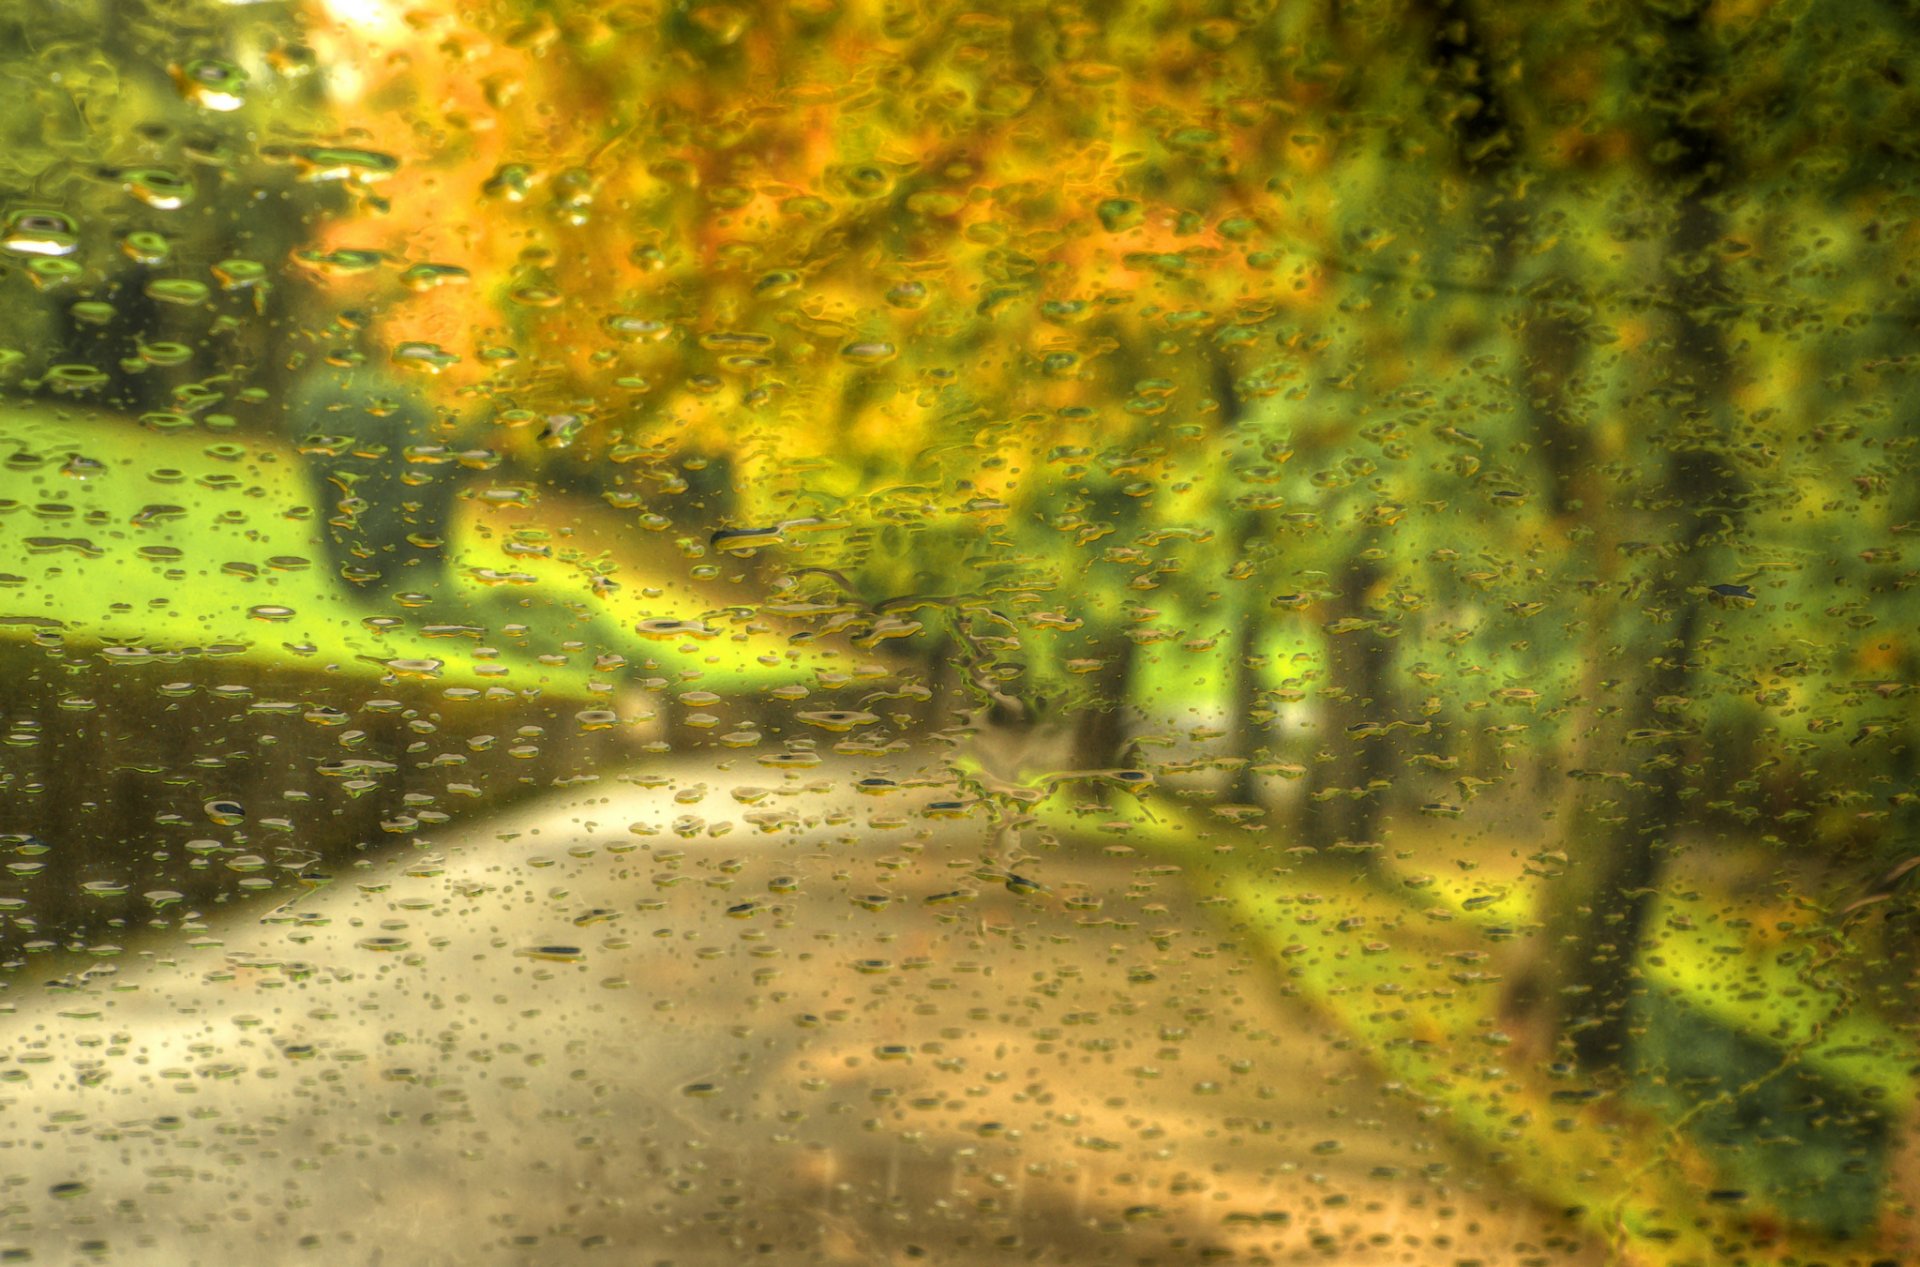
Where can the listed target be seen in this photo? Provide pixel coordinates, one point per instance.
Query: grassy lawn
(148, 544)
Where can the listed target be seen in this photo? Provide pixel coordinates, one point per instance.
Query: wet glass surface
(872, 633)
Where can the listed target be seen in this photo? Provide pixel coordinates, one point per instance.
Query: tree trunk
(1586, 978)
(1597, 907)
(1243, 694)
(1351, 768)
(1100, 729)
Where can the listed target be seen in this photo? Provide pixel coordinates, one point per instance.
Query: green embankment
(1412, 979)
(145, 543)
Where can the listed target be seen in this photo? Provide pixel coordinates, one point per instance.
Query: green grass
(1406, 975)
(193, 542)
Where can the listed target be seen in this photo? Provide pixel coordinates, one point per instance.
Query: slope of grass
(1410, 972)
(147, 544)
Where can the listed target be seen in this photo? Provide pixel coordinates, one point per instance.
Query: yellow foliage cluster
(809, 230)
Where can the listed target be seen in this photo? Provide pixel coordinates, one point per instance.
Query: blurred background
(1435, 478)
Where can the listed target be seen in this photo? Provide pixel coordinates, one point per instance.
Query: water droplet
(666, 630)
(790, 760)
(428, 358)
(636, 329)
(777, 283)
(41, 233)
(144, 246)
(181, 291)
(157, 187)
(908, 295)
(1732, 596)
(211, 84)
(73, 379)
(838, 721)
(238, 274)
(554, 953)
(561, 430)
(416, 669)
(869, 352)
(423, 277)
(744, 541)
(330, 162)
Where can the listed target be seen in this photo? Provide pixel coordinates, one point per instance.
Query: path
(557, 1040)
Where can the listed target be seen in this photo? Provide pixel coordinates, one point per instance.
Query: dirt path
(560, 1040)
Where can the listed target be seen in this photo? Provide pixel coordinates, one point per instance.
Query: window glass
(664, 631)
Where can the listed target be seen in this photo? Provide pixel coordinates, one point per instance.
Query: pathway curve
(570, 1033)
